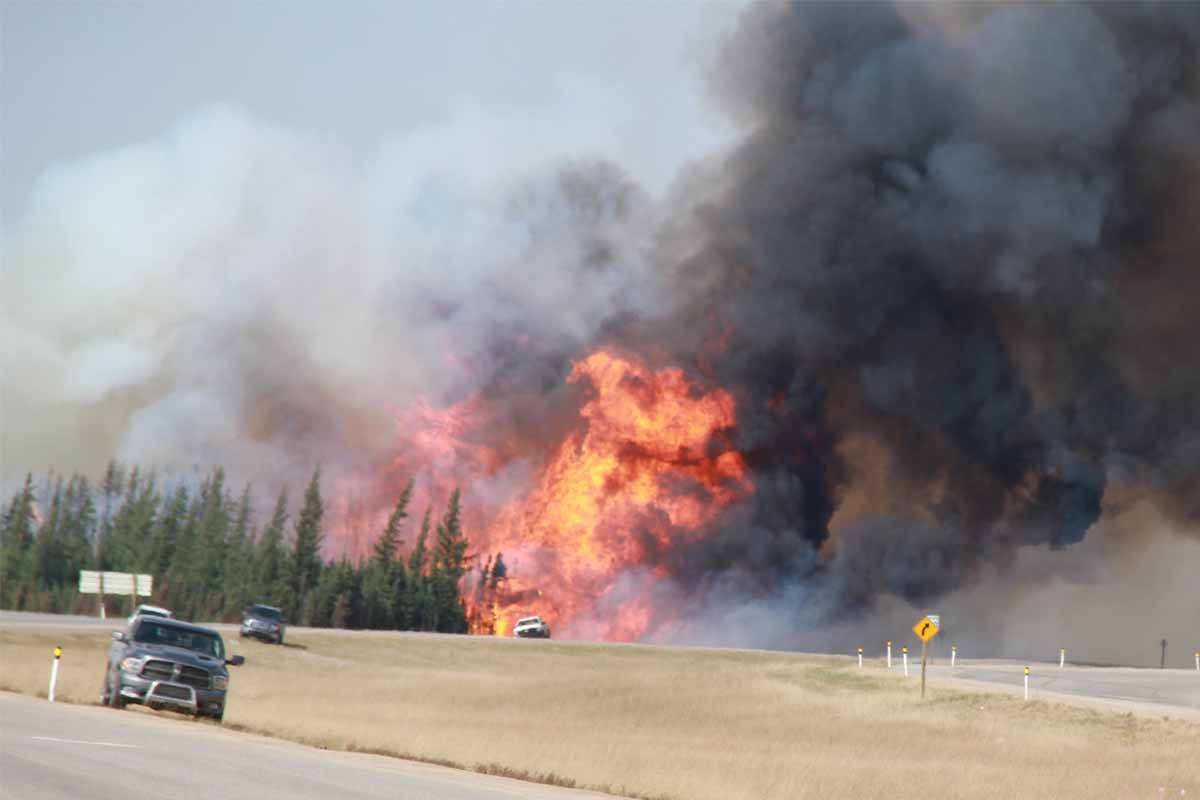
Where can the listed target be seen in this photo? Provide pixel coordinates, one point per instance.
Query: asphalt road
(51, 751)
(1171, 692)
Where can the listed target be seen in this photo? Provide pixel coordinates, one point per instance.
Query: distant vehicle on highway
(531, 628)
(150, 611)
(263, 622)
(168, 664)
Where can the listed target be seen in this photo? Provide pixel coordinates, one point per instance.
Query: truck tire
(114, 696)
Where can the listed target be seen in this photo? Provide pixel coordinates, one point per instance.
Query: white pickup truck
(531, 628)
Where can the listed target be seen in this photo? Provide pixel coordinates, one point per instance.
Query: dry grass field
(663, 723)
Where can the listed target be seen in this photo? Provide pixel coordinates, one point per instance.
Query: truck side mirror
(236, 661)
(119, 636)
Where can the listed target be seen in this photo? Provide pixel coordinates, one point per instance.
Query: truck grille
(174, 692)
(194, 676)
(158, 670)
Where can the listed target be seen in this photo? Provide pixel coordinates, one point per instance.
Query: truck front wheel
(113, 694)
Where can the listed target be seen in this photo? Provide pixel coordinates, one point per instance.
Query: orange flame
(638, 478)
(644, 469)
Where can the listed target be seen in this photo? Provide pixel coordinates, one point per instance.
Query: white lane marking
(81, 741)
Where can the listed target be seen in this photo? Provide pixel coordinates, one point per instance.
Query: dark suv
(165, 663)
(263, 622)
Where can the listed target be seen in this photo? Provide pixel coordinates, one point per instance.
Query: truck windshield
(265, 612)
(197, 641)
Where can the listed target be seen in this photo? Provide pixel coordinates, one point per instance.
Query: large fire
(645, 468)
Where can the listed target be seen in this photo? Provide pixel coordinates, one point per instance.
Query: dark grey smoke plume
(957, 240)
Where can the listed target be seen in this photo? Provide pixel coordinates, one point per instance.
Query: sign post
(925, 630)
(54, 673)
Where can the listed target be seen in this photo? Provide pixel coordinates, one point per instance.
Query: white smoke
(234, 292)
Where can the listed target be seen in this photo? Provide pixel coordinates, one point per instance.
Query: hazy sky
(178, 177)
(82, 77)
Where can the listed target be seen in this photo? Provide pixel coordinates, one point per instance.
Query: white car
(531, 628)
(150, 611)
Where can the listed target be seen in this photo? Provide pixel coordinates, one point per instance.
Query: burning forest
(929, 312)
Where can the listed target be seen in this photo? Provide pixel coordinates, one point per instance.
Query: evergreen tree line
(210, 558)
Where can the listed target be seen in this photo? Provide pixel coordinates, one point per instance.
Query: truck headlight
(131, 664)
(220, 682)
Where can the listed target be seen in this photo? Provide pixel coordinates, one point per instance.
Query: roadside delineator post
(904, 653)
(54, 673)
(953, 655)
(1027, 683)
(1198, 661)
(889, 648)
(860, 658)
(1062, 657)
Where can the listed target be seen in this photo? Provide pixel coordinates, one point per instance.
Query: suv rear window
(264, 611)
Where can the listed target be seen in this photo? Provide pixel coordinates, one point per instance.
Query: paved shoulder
(50, 751)
(1170, 692)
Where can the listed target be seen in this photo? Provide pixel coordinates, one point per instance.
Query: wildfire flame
(638, 475)
(644, 467)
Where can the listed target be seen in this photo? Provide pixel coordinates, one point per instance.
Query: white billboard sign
(91, 582)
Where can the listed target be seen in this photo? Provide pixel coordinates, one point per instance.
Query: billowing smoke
(947, 272)
(240, 294)
(954, 257)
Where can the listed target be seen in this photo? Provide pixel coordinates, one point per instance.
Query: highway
(58, 751)
(1170, 692)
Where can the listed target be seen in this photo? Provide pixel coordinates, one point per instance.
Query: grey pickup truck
(166, 663)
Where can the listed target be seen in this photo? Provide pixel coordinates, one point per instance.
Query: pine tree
(167, 529)
(414, 612)
(239, 558)
(389, 540)
(16, 546)
(306, 557)
(183, 592)
(114, 479)
(215, 523)
(271, 574)
(450, 552)
(49, 553)
(449, 566)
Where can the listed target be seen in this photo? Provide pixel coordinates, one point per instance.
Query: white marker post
(1062, 657)
(860, 658)
(953, 655)
(54, 673)
(889, 655)
(1027, 683)
(1198, 661)
(904, 652)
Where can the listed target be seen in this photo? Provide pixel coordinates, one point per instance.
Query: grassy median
(659, 722)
